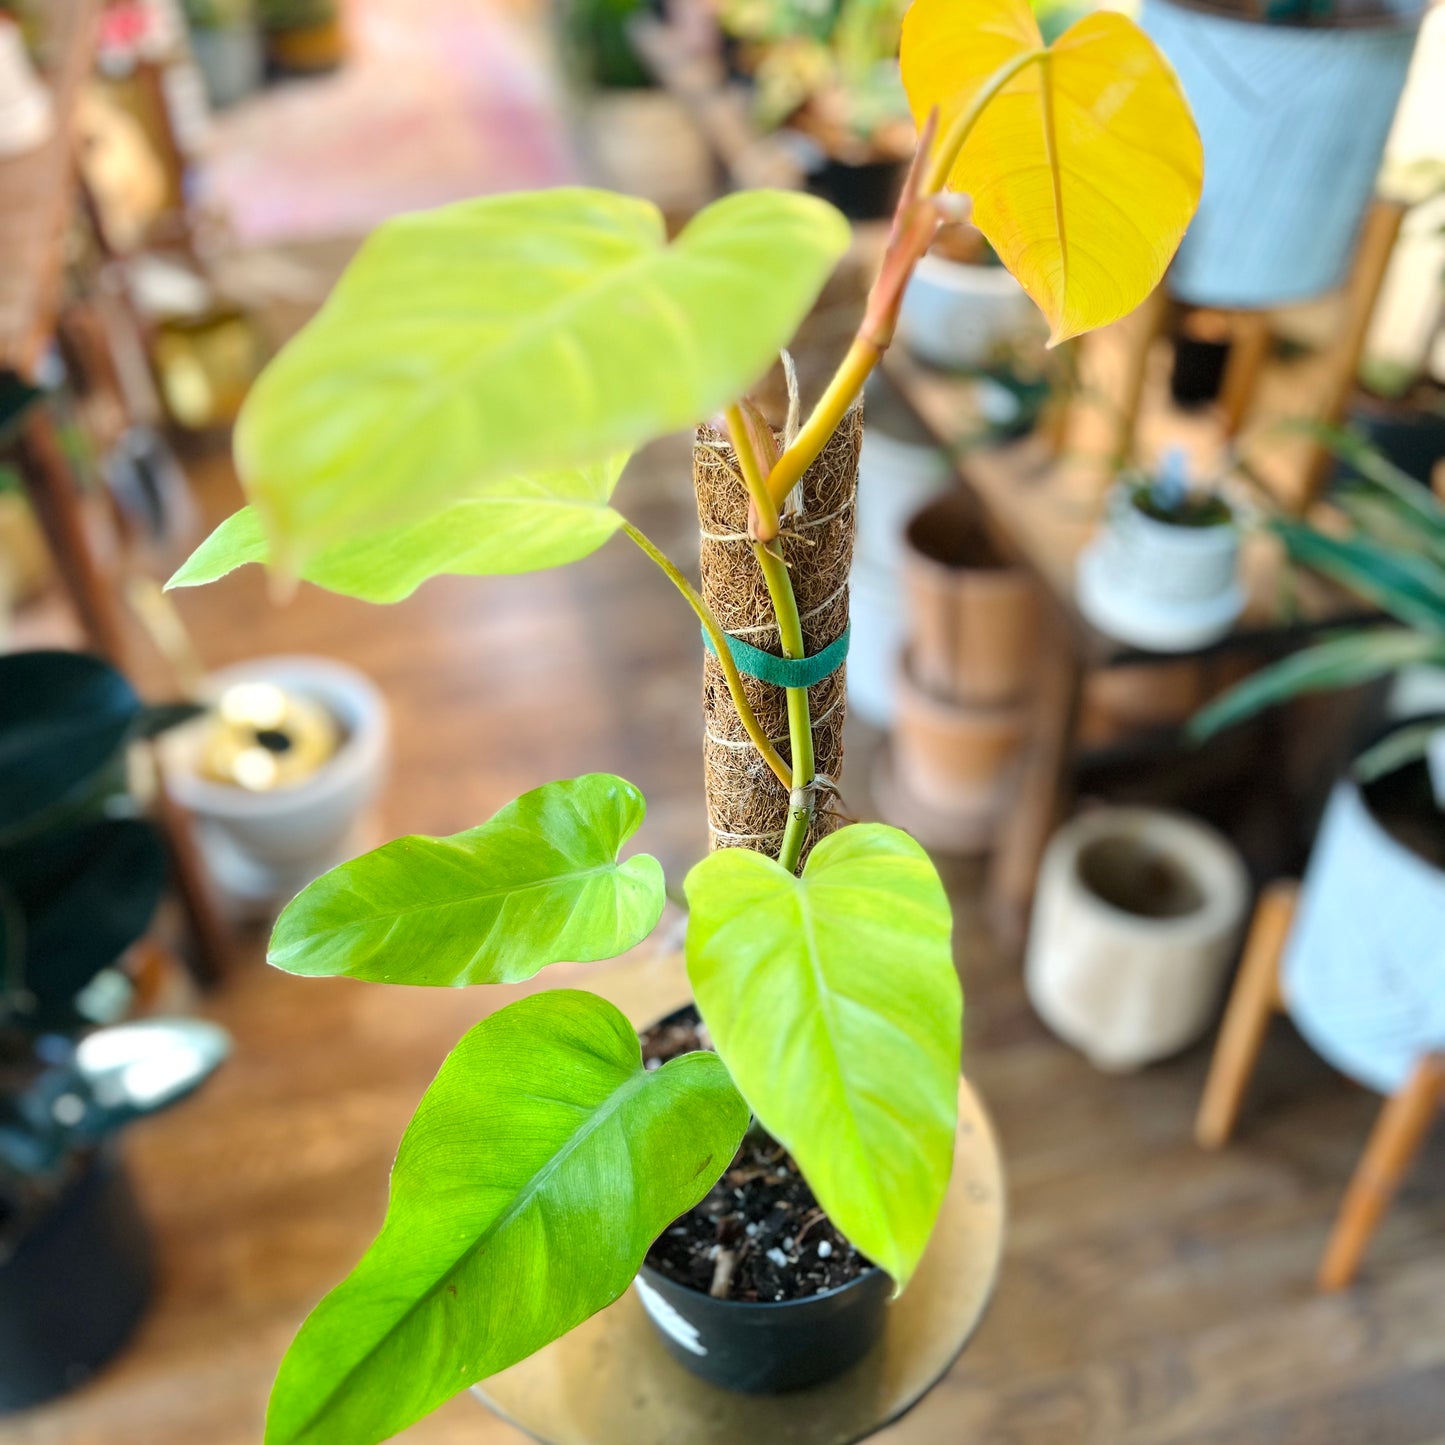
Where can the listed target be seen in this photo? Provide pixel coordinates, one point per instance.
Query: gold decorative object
(261, 738)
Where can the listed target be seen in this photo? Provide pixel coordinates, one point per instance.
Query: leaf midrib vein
(520, 1201)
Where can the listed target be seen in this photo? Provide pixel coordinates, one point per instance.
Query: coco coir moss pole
(747, 805)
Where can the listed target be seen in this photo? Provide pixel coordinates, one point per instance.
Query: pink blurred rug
(440, 100)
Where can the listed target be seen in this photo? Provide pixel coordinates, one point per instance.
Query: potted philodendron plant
(80, 876)
(1364, 972)
(1163, 571)
(464, 403)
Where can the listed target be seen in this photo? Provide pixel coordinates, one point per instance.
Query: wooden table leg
(1043, 789)
(1395, 1140)
(1372, 260)
(210, 938)
(1253, 1001)
(1250, 338)
(51, 486)
(1143, 330)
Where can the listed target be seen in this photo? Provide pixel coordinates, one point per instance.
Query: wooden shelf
(37, 191)
(1043, 509)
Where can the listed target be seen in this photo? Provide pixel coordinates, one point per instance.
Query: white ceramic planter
(265, 846)
(1364, 969)
(26, 114)
(1134, 925)
(958, 316)
(1294, 121)
(895, 479)
(875, 646)
(1158, 586)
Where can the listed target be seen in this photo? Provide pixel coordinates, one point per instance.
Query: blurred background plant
(81, 874)
(1383, 538)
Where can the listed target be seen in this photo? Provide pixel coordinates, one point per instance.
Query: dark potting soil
(759, 1235)
(1403, 803)
(1201, 509)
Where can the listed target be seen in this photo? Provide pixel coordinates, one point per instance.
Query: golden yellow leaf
(1086, 166)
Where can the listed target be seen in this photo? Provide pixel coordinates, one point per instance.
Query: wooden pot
(973, 619)
(957, 756)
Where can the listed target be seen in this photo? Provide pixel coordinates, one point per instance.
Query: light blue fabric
(1294, 122)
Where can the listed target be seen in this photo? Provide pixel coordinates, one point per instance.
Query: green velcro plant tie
(786, 671)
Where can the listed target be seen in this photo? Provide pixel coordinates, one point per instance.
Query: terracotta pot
(954, 752)
(973, 620)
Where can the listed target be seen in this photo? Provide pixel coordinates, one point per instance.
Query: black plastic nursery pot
(765, 1347)
(865, 191)
(73, 1286)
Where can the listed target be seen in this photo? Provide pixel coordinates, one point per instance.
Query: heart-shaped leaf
(541, 1164)
(1084, 170)
(539, 882)
(518, 524)
(518, 334)
(834, 1002)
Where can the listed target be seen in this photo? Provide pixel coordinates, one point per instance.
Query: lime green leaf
(518, 524)
(541, 1163)
(1343, 661)
(1087, 166)
(834, 1002)
(519, 334)
(537, 883)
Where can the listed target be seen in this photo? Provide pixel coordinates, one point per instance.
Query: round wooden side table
(611, 1382)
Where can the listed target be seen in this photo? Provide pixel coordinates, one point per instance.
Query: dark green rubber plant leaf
(834, 1002)
(537, 883)
(63, 717)
(517, 524)
(518, 334)
(541, 1163)
(83, 895)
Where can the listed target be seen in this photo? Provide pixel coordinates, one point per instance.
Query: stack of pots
(962, 690)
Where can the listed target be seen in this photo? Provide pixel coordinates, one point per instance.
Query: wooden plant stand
(611, 1380)
(1399, 1131)
(38, 192)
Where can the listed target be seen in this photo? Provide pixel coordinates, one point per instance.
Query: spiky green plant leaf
(1343, 661)
(539, 882)
(834, 1002)
(541, 1163)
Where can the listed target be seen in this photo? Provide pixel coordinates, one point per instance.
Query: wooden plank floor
(1151, 1294)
